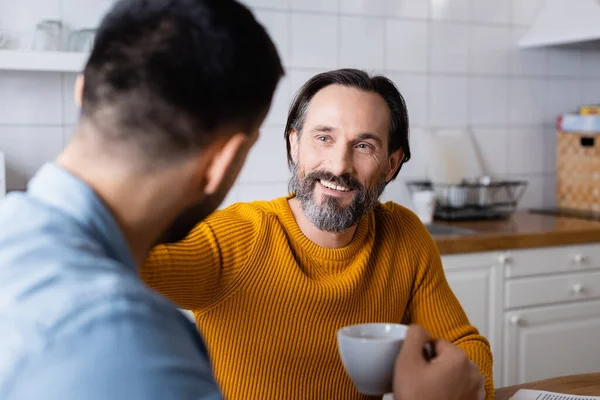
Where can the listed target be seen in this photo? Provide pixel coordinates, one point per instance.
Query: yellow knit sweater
(268, 301)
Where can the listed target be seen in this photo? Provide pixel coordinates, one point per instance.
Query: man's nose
(340, 160)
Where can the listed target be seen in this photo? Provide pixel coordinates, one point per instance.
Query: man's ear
(294, 138)
(78, 90)
(227, 154)
(395, 161)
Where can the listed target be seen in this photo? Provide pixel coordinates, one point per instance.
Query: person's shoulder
(249, 211)
(118, 346)
(399, 224)
(20, 212)
(399, 221)
(399, 218)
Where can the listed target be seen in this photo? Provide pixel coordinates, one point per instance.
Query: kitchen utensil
(82, 40)
(477, 199)
(450, 155)
(47, 36)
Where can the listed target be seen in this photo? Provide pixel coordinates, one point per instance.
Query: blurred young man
(271, 282)
(174, 93)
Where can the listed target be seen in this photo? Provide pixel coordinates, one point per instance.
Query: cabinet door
(478, 288)
(551, 341)
(474, 289)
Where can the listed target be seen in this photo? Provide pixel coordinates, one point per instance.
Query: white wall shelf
(49, 61)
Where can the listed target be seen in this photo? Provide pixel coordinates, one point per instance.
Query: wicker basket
(578, 171)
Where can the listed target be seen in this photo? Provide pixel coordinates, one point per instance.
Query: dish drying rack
(471, 200)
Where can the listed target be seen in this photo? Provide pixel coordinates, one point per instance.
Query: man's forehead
(348, 107)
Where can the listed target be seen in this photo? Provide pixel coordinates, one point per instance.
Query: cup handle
(429, 351)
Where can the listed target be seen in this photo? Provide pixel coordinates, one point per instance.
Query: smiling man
(288, 273)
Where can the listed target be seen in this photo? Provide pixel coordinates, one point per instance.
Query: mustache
(345, 180)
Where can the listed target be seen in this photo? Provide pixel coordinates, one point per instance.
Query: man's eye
(363, 146)
(322, 138)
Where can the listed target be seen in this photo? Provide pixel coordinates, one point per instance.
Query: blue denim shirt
(76, 322)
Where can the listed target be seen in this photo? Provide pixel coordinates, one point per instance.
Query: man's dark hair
(360, 80)
(165, 75)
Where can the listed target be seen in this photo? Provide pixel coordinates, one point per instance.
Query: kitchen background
(455, 61)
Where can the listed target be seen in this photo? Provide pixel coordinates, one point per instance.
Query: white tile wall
(489, 49)
(30, 98)
(281, 100)
(407, 45)
(491, 11)
(488, 98)
(273, 168)
(525, 62)
(493, 148)
(456, 10)
(314, 5)
(362, 43)
(527, 151)
(524, 11)
(562, 95)
(455, 61)
(364, 7)
(277, 25)
(449, 49)
(26, 148)
(315, 41)
(564, 62)
(526, 97)
(448, 99)
(414, 90)
(590, 66)
(409, 8)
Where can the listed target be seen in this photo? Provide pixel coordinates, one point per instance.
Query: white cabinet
(552, 313)
(551, 341)
(476, 280)
(539, 308)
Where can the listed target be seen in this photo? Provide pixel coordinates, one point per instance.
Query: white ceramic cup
(368, 352)
(424, 202)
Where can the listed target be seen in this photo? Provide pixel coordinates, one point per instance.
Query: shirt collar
(55, 186)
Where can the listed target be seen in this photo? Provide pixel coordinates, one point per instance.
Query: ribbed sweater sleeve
(203, 268)
(434, 306)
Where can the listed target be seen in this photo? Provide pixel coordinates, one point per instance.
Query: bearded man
(270, 282)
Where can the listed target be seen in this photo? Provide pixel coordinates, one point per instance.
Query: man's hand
(448, 376)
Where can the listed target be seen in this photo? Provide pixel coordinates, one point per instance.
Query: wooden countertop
(522, 230)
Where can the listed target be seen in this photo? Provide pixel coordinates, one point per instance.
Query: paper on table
(525, 394)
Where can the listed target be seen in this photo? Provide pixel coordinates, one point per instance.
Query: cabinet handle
(515, 320)
(577, 288)
(579, 259)
(504, 259)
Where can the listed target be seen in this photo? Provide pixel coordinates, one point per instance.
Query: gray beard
(330, 215)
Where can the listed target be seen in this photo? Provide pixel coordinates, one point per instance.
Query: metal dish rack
(493, 200)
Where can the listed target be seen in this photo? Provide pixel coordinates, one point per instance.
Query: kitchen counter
(522, 230)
